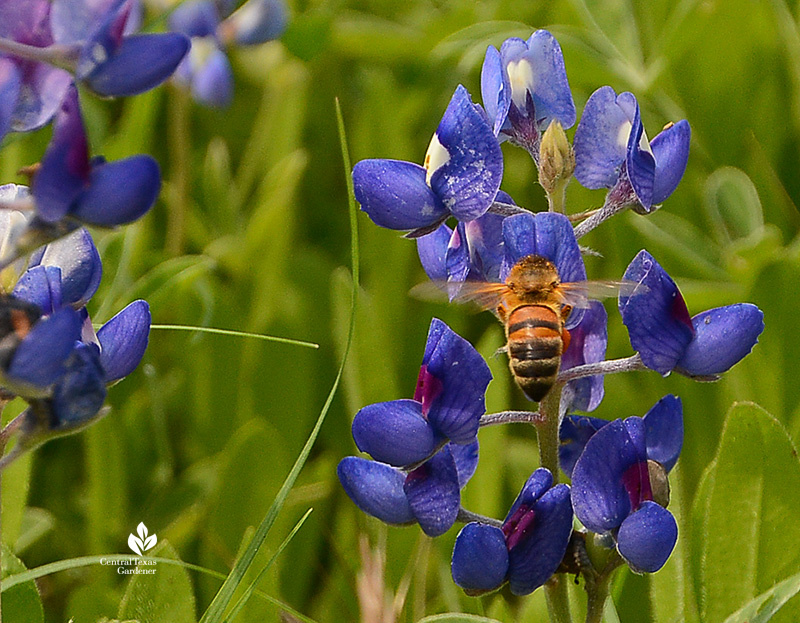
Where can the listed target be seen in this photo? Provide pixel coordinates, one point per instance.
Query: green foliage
(251, 234)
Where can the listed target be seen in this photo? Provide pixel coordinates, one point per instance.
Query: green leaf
(765, 605)
(21, 604)
(223, 598)
(732, 205)
(457, 617)
(165, 595)
(752, 523)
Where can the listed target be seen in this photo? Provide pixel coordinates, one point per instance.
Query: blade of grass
(222, 599)
(260, 336)
(87, 561)
(237, 607)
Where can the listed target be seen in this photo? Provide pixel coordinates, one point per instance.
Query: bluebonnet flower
(524, 88)
(473, 251)
(667, 339)
(528, 548)
(612, 151)
(206, 70)
(93, 39)
(50, 354)
(112, 59)
(435, 435)
(461, 177)
(619, 483)
(71, 185)
(30, 91)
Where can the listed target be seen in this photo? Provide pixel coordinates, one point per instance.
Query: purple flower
(429, 494)
(662, 421)
(30, 92)
(667, 339)
(619, 484)
(206, 70)
(435, 435)
(612, 151)
(112, 60)
(448, 403)
(461, 177)
(473, 251)
(588, 341)
(528, 548)
(524, 87)
(96, 192)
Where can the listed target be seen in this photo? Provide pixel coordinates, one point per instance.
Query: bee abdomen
(535, 346)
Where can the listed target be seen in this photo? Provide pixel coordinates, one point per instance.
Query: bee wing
(484, 294)
(579, 293)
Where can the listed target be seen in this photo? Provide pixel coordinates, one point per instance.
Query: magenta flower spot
(428, 389)
(517, 527)
(636, 480)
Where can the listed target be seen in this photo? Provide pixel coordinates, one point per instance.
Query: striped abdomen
(536, 340)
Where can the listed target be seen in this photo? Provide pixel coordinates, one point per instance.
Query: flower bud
(556, 158)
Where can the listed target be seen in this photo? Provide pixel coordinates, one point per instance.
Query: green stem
(547, 432)
(557, 199)
(596, 601)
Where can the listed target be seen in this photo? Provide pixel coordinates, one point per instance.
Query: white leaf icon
(150, 542)
(135, 544)
(141, 529)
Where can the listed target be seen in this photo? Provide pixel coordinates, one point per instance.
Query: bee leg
(503, 350)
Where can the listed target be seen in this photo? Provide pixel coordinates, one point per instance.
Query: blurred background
(251, 233)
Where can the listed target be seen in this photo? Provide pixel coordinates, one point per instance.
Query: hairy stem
(611, 366)
(63, 56)
(509, 417)
(465, 516)
(599, 217)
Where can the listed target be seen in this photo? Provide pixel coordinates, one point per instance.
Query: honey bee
(534, 305)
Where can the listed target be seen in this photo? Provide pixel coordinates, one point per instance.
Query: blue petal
(671, 151)
(74, 20)
(123, 340)
(495, 89)
(647, 537)
(432, 250)
(195, 18)
(723, 336)
(41, 286)
(470, 178)
(376, 489)
(10, 85)
(536, 557)
(79, 261)
(537, 484)
(640, 163)
(466, 460)
(599, 497)
(394, 432)
(256, 21)
(548, 234)
(140, 63)
(457, 257)
(657, 319)
(485, 241)
(212, 83)
(664, 426)
(480, 558)
(434, 494)
(550, 89)
(65, 165)
(80, 391)
(574, 432)
(39, 358)
(394, 194)
(464, 376)
(601, 140)
(588, 343)
(119, 192)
